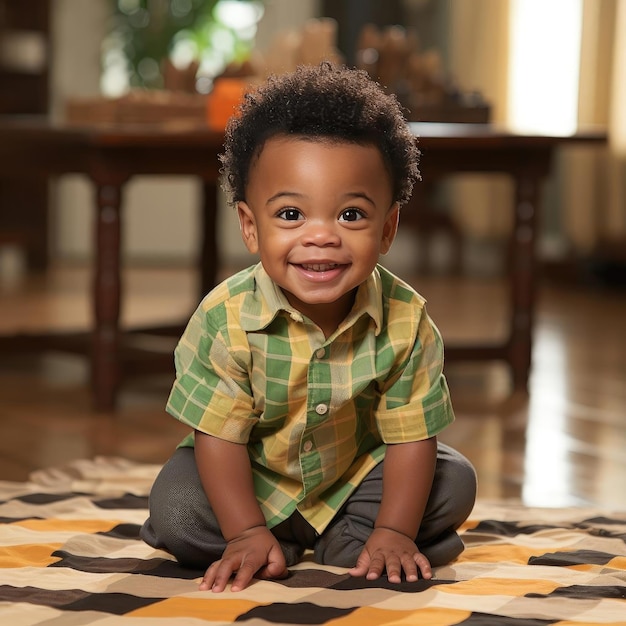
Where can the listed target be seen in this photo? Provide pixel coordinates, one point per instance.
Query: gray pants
(182, 522)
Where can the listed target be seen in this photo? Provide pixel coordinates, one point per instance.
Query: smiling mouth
(319, 267)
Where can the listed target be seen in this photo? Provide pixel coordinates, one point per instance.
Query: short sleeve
(212, 392)
(417, 405)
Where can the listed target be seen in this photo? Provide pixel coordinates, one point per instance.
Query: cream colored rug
(70, 554)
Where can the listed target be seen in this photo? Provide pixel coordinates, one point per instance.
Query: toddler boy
(313, 380)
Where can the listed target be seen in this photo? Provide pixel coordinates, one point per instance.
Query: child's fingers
(213, 579)
(276, 565)
(245, 574)
(424, 565)
(362, 565)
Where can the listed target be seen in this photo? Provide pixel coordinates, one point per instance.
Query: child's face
(319, 213)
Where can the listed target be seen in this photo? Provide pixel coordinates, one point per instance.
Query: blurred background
(550, 66)
(537, 66)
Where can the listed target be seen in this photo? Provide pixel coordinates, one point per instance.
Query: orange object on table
(223, 101)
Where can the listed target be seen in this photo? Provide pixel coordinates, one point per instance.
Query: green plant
(144, 33)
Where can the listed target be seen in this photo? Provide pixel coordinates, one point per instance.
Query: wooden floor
(563, 444)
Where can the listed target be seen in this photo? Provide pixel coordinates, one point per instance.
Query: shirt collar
(262, 305)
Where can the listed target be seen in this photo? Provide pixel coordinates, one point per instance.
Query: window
(544, 65)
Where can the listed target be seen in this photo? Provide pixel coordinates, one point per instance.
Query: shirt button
(308, 446)
(321, 409)
(320, 352)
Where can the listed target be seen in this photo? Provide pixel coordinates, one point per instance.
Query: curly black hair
(325, 102)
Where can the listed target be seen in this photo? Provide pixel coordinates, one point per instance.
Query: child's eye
(351, 215)
(289, 214)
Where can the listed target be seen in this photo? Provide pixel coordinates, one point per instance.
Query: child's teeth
(319, 268)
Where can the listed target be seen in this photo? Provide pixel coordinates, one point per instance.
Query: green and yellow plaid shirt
(315, 413)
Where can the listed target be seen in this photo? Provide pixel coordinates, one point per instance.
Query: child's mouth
(319, 267)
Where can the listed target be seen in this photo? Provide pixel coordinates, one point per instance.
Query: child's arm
(391, 545)
(226, 476)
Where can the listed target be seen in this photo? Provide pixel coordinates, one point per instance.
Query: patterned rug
(70, 554)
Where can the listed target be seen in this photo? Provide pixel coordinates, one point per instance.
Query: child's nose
(321, 233)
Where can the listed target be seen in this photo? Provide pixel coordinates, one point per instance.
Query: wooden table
(110, 155)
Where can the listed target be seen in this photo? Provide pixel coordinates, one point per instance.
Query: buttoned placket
(318, 404)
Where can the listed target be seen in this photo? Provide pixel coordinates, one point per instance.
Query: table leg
(209, 262)
(522, 270)
(107, 292)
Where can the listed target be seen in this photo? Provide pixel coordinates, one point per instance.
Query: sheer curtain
(594, 181)
(586, 198)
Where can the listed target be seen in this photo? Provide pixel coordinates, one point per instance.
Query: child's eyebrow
(284, 194)
(359, 194)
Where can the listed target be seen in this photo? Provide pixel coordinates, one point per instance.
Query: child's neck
(327, 317)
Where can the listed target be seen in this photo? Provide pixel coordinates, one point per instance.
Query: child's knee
(463, 486)
(343, 541)
(180, 516)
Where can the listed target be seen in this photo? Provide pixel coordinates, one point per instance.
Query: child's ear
(247, 224)
(390, 228)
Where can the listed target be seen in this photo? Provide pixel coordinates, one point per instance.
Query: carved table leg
(107, 293)
(210, 252)
(522, 269)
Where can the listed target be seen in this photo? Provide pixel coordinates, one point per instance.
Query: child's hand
(390, 550)
(256, 551)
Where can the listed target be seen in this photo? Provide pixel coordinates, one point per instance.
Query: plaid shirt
(315, 413)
